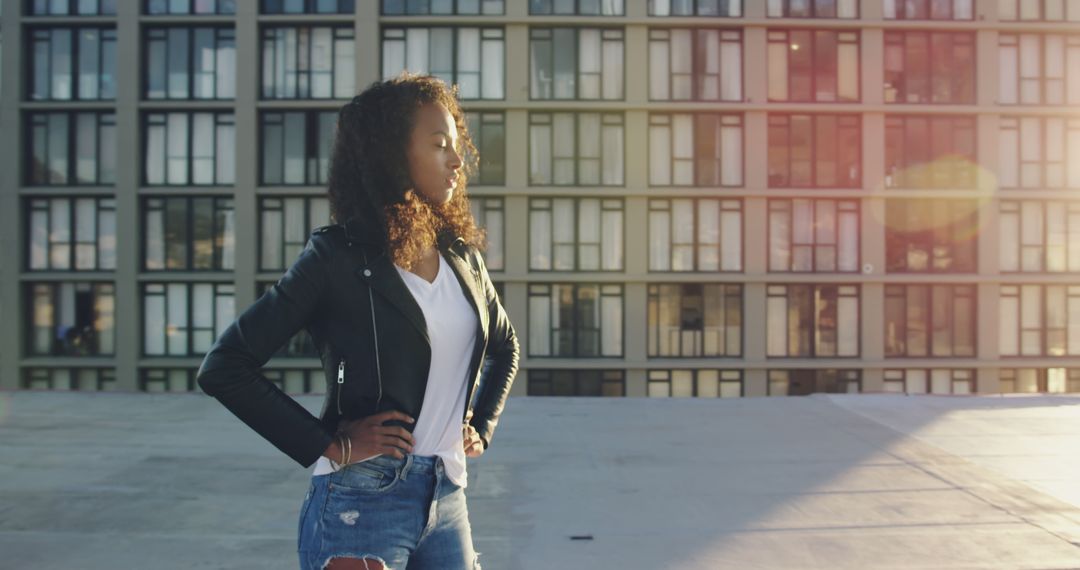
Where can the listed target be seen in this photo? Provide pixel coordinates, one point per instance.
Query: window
(168, 380)
(812, 320)
(1032, 151)
(1039, 236)
(575, 320)
(490, 216)
(822, 151)
(1050, 380)
(813, 9)
(930, 381)
(308, 63)
(576, 383)
(308, 6)
(1039, 320)
(726, 8)
(695, 320)
(190, 63)
(72, 149)
(813, 65)
(695, 234)
(71, 319)
(930, 236)
(189, 234)
(1039, 10)
(72, 63)
(929, 9)
(442, 7)
(805, 382)
(300, 345)
(184, 319)
(488, 133)
(185, 149)
(1036, 69)
(700, 64)
(576, 63)
(929, 67)
(930, 320)
(296, 147)
(695, 149)
(576, 149)
(575, 234)
(296, 380)
(285, 223)
(576, 7)
(695, 384)
(473, 58)
(198, 7)
(813, 235)
(82, 378)
(71, 8)
(71, 234)
(930, 152)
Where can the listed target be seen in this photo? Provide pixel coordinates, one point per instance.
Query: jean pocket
(364, 477)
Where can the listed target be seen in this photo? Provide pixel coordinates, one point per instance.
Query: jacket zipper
(341, 383)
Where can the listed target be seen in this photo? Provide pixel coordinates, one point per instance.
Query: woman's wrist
(333, 451)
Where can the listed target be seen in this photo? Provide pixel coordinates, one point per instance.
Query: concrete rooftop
(120, 480)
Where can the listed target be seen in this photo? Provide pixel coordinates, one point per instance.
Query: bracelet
(341, 445)
(348, 457)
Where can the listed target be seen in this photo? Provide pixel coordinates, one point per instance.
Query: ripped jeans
(406, 513)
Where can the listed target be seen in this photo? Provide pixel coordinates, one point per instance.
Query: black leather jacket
(326, 291)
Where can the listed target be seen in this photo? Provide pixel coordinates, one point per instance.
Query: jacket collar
(380, 274)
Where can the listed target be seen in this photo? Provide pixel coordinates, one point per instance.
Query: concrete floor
(117, 480)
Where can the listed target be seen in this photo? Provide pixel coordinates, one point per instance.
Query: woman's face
(433, 154)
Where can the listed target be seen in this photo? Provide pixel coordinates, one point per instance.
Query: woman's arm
(503, 352)
(230, 370)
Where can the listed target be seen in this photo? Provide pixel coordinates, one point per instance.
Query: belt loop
(405, 468)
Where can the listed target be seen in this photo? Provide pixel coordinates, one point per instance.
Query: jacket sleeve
(501, 362)
(230, 370)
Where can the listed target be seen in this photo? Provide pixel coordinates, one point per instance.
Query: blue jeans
(404, 512)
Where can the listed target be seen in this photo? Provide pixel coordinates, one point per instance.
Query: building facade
(701, 198)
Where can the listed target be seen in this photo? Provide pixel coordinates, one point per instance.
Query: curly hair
(369, 169)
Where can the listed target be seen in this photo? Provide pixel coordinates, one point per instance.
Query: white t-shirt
(451, 324)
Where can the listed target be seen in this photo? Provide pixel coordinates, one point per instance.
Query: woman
(405, 318)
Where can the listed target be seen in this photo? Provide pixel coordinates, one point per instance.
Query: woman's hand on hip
(474, 446)
(369, 437)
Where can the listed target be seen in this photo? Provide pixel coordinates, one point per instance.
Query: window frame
(313, 141)
(723, 120)
(724, 292)
(105, 81)
(100, 292)
(575, 117)
(852, 206)
(577, 74)
(221, 119)
(104, 126)
(221, 34)
(220, 206)
(696, 65)
(957, 40)
(893, 376)
(930, 172)
(900, 15)
(284, 201)
(613, 377)
(535, 290)
(221, 291)
(782, 36)
(933, 236)
(901, 294)
(276, 88)
(44, 204)
(605, 204)
(785, 121)
(812, 9)
(737, 12)
(723, 205)
(814, 334)
(455, 37)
